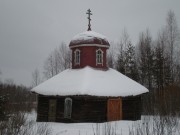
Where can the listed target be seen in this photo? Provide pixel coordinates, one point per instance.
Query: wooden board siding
(52, 110)
(131, 107)
(84, 109)
(42, 109)
(60, 109)
(114, 110)
(91, 110)
(88, 57)
(87, 108)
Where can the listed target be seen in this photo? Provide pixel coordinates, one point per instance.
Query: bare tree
(172, 38)
(58, 60)
(48, 67)
(36, 79)
(64, 56)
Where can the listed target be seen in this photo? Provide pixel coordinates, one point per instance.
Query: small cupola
(89, 48)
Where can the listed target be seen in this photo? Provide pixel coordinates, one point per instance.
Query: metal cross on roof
(89, 15)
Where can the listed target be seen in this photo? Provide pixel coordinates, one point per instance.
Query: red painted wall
(88, 57)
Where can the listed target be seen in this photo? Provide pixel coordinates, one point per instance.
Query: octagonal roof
(90, 81)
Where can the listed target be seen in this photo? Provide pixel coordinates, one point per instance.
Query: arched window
(67, 108)
(99, 56)
(77, 57)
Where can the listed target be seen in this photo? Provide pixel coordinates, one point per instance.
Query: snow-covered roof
(90, 81)
(89, 37)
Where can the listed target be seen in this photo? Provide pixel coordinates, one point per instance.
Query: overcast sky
(31, 29)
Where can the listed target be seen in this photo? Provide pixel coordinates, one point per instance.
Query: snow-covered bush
(19, 124)
(105, 129)
(156, 125)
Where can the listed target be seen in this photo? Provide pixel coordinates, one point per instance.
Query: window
(77, 57)
(67, 108)
(99, 56)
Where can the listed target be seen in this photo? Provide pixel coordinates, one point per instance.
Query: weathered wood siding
(131, 108)
(84, 109)
(42, 109)
(88, 108)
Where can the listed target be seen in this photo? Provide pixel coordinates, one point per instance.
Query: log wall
(88, 108)
(84, 109)
(132, 108)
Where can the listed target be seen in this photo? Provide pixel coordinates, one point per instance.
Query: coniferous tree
(130, 63)
(120, 64)
(125, 41)
(145, 59)
(162, 71)
(111, 55)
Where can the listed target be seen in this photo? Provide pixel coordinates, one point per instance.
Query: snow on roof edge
(70, 83)
(89, 33)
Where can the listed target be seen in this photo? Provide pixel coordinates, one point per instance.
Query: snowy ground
(90, 128)
(119, 127)
(86, 128)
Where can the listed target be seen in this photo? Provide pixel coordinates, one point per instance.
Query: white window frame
(77, 58)
(67, 108)
(99, 57)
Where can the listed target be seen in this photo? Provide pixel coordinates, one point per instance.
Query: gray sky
(31, 29)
